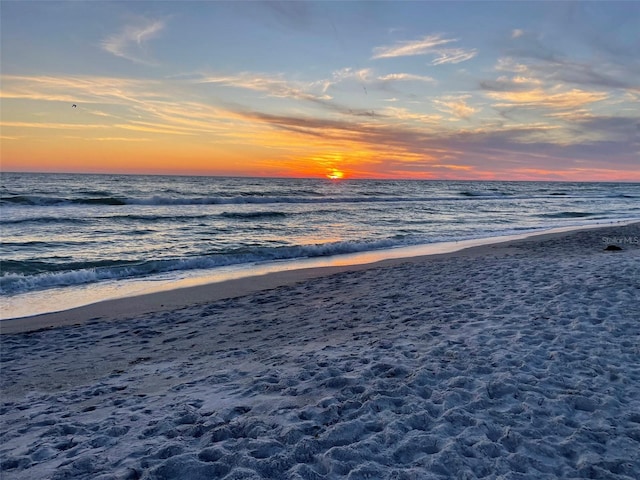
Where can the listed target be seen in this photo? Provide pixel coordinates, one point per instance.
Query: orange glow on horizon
(264, 153)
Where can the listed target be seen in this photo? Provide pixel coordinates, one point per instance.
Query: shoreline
(210, 291)
(513, 360)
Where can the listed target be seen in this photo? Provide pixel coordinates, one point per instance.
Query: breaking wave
(19, 277)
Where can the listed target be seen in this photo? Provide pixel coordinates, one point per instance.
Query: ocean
(86, 237)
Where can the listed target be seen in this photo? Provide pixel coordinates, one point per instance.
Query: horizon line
(291, 177)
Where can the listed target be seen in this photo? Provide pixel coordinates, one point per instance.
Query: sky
(417, 90)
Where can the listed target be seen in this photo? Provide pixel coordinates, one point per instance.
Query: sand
(516, 360)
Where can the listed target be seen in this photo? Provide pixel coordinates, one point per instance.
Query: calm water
(70, 231)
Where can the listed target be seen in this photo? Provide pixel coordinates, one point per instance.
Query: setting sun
(335, 175)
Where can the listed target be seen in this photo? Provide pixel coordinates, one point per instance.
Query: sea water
(68, 236)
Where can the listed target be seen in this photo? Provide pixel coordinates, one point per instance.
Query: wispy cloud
(89, 89)
(315, 92)
(456, 106)
(421, 46)
(541, 98)
(406, 77)
(131, 42)
(609, 62)
(453, 55)
(607, 129)
(401, 115)
(509, 64)
(395, 138)
(51, 125)
(592, 74)
(144, 106)
(553, 66)
(156, 128)
(120, 139)
(428, 45)
(509, 84)
(361, 75)
(273, 85)
(319, 92)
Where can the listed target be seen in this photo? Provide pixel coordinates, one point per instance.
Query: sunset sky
(447, 90)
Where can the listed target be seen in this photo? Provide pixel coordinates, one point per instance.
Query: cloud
(598, 75)
(565, 130)
(428, 45)
(508, 64)
(50, 125)
(541, 98)
(453, 55)
(278, 87)
(517, 33)
(275, 86)
(401, 115)
(422, 46)
(120, 139)
(406, 77)
(456, 106)
(510, 84)
(148, 127)
(555, 67)
(366, 77)
(140, 105)
(529, 46)
(78, 89)
(609, 61)
(612, 129)
(361, 75)
(317, 91)
(132, 41)
(509, 148)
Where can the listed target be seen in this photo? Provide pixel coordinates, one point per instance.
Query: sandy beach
(512, 360)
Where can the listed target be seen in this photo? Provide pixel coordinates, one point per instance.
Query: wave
(46, 201)
(253, 215)
(99, 201)
(297, 197)
(59, 220)
(22, 200)
(27, 276)
(215, 200)
(568, 215)
(40, 244)
(21, 277)
(45, 220)
(38, 267)
(483, 193)
(622, 195)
